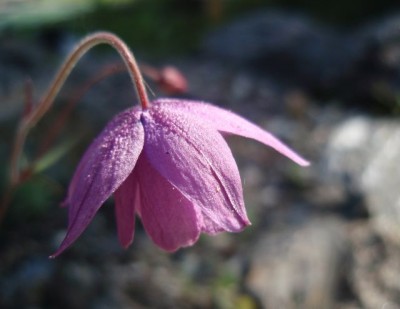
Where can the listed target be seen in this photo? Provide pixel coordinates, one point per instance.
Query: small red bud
(172, 81)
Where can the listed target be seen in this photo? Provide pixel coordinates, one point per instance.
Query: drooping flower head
(170, 165)
(165, 161)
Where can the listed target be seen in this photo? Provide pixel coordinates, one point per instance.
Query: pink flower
(170, 165)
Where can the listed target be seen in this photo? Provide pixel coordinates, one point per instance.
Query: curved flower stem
(85, 45)
(60, 121)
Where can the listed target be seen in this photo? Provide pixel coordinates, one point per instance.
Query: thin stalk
(85, 45)
(32, 116)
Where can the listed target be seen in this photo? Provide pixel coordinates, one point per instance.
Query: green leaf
(54, 155)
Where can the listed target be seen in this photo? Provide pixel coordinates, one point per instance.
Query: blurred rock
(375, 269)
(358, 65)
(346, 147)
(287, 46)
(384, 34)
(299, 267)
(381, 178)
(26, 285)
(366, 153)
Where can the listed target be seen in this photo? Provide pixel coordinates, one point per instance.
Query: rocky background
(327, 236)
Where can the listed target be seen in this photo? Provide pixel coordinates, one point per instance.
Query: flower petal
(127, 200)
(197, 161)
(228, 122)
(105, 165)
(170, 219)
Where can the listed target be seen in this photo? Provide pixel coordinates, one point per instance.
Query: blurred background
(324, 76)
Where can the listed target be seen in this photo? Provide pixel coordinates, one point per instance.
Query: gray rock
(27, 285)
(359, 65)
(298, 267)
(367, 151)
(375, 268)
(346, 150)
(287, 44)
(381, 179)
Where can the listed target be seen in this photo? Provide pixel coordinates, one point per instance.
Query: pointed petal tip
(236, 227)
(303, 162)
(126, 245)
(228, 122)
(55, 254)
(58, 252)
(294, 156)
(246, 222)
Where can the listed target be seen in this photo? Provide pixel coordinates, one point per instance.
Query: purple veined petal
(127, 200)
(88, 153)
(198, 162)
(106, 164)
(228, 122)
(169, 218)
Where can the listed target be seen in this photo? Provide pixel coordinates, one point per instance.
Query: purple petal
(228, 122)
(127, 200)
(170, 219)
(105, 165)
(197, 161)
